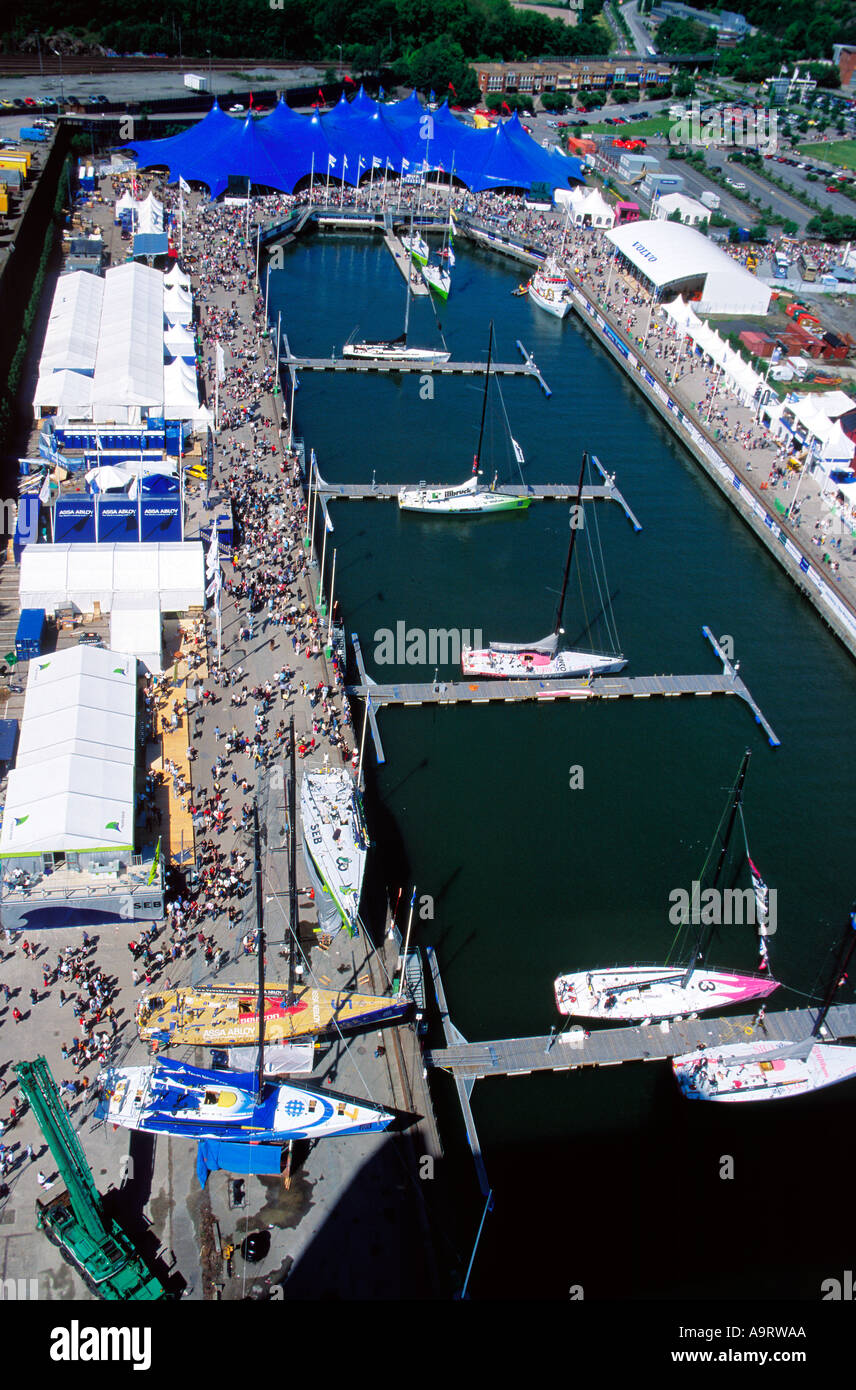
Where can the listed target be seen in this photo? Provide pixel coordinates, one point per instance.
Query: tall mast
(558, 625)
(703, 940)
(261, 950)
(477, 458)
(836, 979)
(407, 278)
(292, 858)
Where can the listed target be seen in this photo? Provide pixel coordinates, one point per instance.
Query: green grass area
(841, 152)
(654, 125)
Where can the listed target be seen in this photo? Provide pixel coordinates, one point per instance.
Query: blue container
(28, 638)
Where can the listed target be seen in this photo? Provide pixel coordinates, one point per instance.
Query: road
(641, 37)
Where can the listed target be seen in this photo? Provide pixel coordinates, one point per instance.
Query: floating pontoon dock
(580, 688)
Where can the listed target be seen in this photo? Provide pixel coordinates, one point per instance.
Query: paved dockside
(353, 1223)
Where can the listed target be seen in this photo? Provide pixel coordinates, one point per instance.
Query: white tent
(66, 792)
(178, 305)
(181, 393)
(179, 341)
(71, 337)
(173, 572)
(110, 477)
(586, 205)
(129, 362)
(744, 380)
(670, 255)
(65, 391)
(175, 277)
(126, 201)
(150, 215)
(135, 628)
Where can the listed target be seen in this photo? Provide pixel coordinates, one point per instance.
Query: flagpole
(323, 555)
(278, 323)
(327, 186)
(258, 254)
(314, 506)
(312, 178)
(332, 584)
(308, 509)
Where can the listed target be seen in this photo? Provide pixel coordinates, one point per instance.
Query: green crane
(75, 1219)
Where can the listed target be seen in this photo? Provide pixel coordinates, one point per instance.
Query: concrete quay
(353, 1221)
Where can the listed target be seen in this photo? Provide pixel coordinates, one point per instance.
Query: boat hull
(438, 281)
(227, 1015)
(335, 838)
(551, 300)
(377, 352)
(533, 665)
(640, 992)
(760, 1071)
(444, 502)
(192, 1103)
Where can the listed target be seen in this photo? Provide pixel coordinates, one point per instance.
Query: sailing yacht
(335, 839)
(763, 1071)
(469, 498)
(188, 1102)
(769, 1070)
(548, 288)
(228, 1015)
(632, 993)
(417, 247)
(396, 349)
(439, 277)
(545, 659)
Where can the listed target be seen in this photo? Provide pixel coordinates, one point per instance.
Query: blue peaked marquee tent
(347, 142)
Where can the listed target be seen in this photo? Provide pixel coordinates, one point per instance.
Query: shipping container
(31, 629)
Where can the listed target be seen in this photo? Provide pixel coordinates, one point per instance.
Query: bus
(781, 265)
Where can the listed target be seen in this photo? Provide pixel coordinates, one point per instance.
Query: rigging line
(596, 580)
(508, 430)
(346, 1042)
(600, 571)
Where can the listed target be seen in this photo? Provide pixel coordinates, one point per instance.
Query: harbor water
(548, 838)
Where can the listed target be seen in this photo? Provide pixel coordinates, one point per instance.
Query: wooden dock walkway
(652, 1042)
(539, 492)
(371, 364)
(403, 261)
(463, 1083)
(378, 695)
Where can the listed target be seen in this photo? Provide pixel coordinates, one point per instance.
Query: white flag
(45, 490)
(518, 452)
(375, 162)
(221, 365)
(214, 586)
(405, 164)
(331, 160)
(183, 184)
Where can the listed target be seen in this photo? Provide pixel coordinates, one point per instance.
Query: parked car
(104, 100)
(236, 110)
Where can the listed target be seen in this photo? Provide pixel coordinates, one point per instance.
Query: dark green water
(529, 877)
